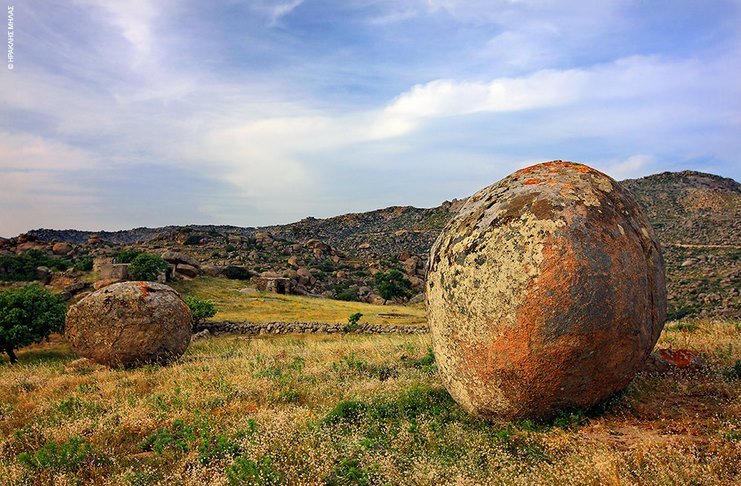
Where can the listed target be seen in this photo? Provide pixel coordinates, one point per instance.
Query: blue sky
(131, 113)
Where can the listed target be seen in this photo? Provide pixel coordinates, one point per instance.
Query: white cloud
(633, 166)
(134, 19)
(279, 11)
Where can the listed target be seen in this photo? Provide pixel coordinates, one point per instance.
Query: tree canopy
(392, 285)
(28, 315)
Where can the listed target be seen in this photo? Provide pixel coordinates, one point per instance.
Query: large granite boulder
(545, 292)
(130, 324)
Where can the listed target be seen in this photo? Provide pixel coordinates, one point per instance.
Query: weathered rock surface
(187, 270)
(61, 248)
(130, 324)
(177, 258)
(545, 292)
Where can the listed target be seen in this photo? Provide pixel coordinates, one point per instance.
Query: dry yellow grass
(352, 410)
(233, 305)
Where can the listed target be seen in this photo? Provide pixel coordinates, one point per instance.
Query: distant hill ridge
(685, 207)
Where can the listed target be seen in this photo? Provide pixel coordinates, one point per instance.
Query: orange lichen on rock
(144, 288)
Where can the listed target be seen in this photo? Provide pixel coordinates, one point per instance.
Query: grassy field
(353, 410)
(233, 305)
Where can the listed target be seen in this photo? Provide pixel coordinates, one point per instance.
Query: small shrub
(180, 437)
(84, 263)
(177, 436)
(352, 323)
(568, 419)
(348, 295)
(350, 411)
(684, 326)
(247, 471)
(426, 363)
(68, 456)
(347, 472)
(200, 309)
(147, 267)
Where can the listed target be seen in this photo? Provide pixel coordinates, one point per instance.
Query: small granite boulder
(130, 324)
(61, 248)
(545, 292)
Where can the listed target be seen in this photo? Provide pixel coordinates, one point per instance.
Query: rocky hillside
(696, 216)
(698, 220)
(690, 207)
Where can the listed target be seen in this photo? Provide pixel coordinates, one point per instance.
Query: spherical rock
(130, 324)
(545, 292)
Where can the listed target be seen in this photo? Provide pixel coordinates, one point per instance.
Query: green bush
(342, 291)
(68, 456)
(392, 285)
(347, 472)
(146, 267)
(23, 267)
(247, 471)
(352, 323)
(28, 315)
(126, 256)
(200, 309)
(179, 438)
(84, 263)
(349, 295)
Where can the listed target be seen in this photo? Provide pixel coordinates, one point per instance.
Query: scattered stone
(117, 271)
(82, 364)
(664, 360)
(130, 324)
(61, 248)
(201, 335)
(212, 270)
(187, 270)
(73, 289)
(43, 274)
(417, 299)
(105, 283)
(176, 258)
(545, 292)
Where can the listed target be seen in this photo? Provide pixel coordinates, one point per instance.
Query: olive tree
(28, 315)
